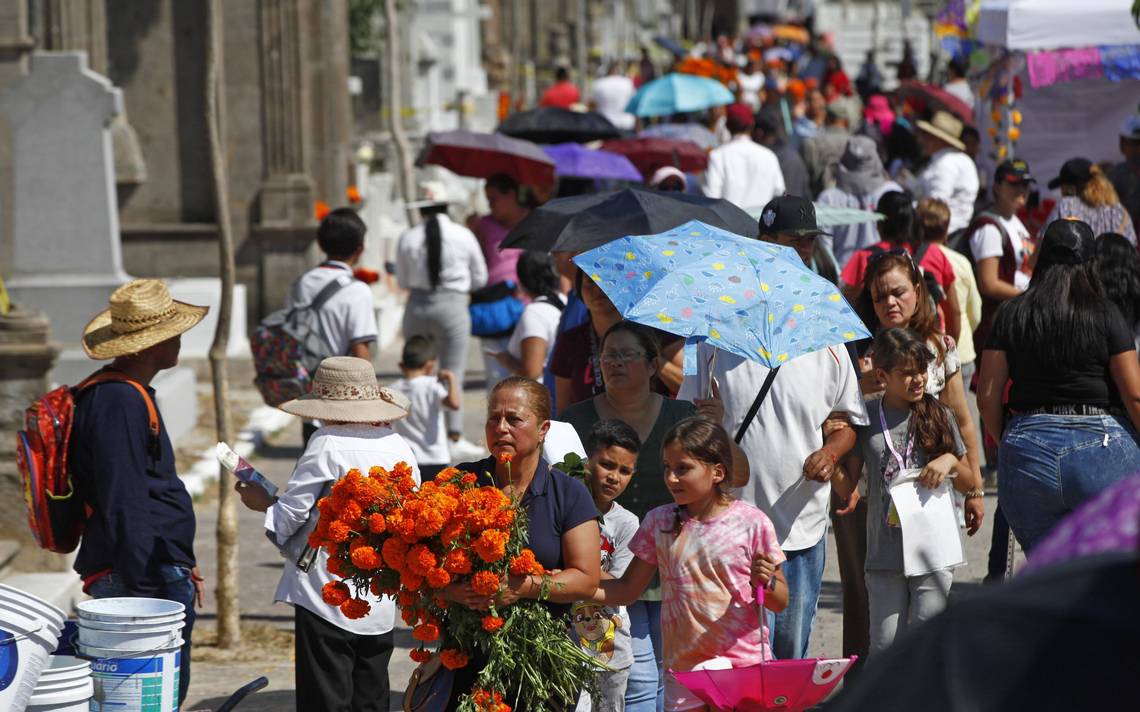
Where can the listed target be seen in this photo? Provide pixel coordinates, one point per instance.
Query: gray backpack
(287, 346)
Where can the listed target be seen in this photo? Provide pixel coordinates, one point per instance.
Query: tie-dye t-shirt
(708, 605)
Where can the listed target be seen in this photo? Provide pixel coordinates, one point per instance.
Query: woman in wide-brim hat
(141, 314)
(341, 662)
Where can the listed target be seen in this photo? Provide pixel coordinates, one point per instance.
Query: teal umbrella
(828, 216)
(754, 299)
(678, 94)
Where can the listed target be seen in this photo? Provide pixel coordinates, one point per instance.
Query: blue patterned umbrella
(754, 299)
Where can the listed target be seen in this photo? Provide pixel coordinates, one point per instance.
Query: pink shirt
(501, 265)
(708, 605)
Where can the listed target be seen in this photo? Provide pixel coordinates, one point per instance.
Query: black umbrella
(555, 125)
(1065, 637)
(582, 222)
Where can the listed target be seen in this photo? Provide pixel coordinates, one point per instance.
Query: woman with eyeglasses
(629, 359)
(895, 296)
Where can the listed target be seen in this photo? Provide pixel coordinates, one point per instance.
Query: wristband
(974, 494)
(772, 584)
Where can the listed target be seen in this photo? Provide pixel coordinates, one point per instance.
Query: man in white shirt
(347, 318)
(956, 84)
(790, 459)
(611, 94)
(951, 175)
(742, 171)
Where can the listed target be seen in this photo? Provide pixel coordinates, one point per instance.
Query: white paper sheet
(929, 526)
(561, 439)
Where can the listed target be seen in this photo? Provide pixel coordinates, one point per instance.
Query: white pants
(898, 602)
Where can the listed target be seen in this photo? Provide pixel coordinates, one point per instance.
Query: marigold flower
(469, 478)
(335, 593)
(452, 531)
(485, 583)
(351, 512)
(492, 623)
(394, 551)
(505, 457)
(430, 522)
(404, 599)
(438, 578)
(365, 558)
(452, 658)
(316, 539)
(355, 608)
(411, 581)
(491, 545)
(376, 523)
(339, 531)
(353, 194)
(456, 561)
(419, 655)
(335, 566)
(427, 632)
(421, 560)
(408, 615)
(525, 563)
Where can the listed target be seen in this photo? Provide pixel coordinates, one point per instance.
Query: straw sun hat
(345, 390)
(141, 315)
(945, 126)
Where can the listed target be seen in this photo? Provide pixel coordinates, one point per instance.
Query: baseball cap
(1015, 171)
(1130, 129)
(1075, 171)
(1066, 241)
(739, 116)
(789, 214)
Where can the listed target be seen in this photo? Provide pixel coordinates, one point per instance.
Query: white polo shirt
(462, 267)
(786, 430)
(744, 173)
(332, 452)
(348, 317)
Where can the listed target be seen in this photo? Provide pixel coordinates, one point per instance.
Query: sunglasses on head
(896, 252)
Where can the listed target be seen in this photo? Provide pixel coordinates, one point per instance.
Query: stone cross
(63, 219)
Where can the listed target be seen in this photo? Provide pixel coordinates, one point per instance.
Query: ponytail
(434, 238)
(1098, 190)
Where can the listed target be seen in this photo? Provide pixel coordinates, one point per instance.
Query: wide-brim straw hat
(345, 390)
(943, 125)
(141, 315)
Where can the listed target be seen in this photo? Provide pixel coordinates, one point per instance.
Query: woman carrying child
(910, 431)
(705, 542)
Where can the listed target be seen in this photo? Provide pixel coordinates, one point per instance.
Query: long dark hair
(1118, 266)
(930, 424)
(433, 237)
(898, 224)
(924, 322)
(538, 276)
(707, 443)
(1060, 318)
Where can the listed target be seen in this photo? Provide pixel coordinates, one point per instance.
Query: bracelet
(974, 494)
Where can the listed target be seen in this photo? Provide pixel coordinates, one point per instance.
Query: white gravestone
(66, 255)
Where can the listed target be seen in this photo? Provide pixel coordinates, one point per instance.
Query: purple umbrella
(573, 160)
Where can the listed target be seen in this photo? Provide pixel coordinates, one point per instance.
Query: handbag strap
(767, 386)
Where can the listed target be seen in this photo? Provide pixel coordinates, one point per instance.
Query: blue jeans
(1050, 464)
(176, 586)
(645, 691)
(790, 629)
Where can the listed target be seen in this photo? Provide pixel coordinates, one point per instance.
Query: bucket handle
(126, 654)
(23, 636)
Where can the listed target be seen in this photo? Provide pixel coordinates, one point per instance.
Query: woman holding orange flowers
(343, 641)
(562, 524)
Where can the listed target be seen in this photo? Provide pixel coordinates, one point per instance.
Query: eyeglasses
(895, 252)
(581, 618)
(612, 357)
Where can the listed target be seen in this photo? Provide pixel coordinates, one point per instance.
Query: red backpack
(56, 515)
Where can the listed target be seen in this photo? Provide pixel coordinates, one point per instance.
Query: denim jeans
(790, 630)
(645, 690)
(1051, 464)
(176, 586)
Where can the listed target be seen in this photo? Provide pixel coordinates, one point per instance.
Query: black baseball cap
(1015, 171)
(1075, 171)
(1067, 241)
(789, 214)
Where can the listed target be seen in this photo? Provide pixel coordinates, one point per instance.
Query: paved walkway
(269, 648)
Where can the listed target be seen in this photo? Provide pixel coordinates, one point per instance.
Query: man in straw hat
(951, 175)
(342, 662)
(139, 538)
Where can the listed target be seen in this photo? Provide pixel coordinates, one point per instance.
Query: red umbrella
(651, 153)
(932, 98)
(482, 155)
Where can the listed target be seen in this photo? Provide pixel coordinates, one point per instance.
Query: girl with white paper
(912, 450)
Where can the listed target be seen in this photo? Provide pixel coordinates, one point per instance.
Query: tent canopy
(1054, 24)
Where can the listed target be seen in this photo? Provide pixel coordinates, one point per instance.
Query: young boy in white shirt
(604, 632)
(424, 428)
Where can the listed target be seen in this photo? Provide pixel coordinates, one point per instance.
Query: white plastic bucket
(136, 665)
(45, 609)
(65, 685)
(26, 641)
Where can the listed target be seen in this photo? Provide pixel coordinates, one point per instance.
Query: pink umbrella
(774, 685)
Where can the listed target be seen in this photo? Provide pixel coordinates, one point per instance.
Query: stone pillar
(26, 356)
(15, 42)
(287, 191)
(66, 255)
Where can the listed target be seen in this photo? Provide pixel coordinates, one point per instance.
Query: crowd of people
(713, 484)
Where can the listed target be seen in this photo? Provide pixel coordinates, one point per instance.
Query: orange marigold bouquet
(387, 536)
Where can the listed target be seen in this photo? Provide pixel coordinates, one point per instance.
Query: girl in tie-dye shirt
(712, 552)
